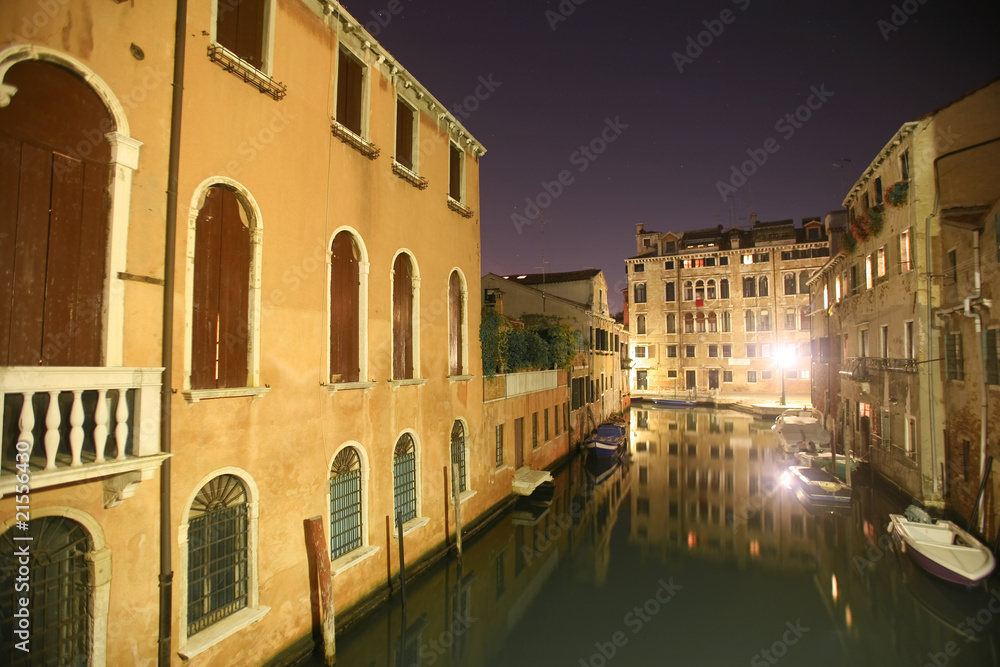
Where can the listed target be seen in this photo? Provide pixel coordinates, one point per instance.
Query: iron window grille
(218, 553)
(404, 477)
(61, 593)
(345, 503)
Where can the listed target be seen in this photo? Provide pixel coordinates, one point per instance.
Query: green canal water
(687, 553)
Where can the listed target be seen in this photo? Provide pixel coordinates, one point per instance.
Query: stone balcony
(64, 425)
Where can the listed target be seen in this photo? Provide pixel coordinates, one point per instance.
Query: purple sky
(673, 129)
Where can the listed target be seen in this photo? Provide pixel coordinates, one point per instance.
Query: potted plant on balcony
(895, 194)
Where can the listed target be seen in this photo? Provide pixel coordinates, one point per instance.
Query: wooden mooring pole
(402, 562)
(324, 579)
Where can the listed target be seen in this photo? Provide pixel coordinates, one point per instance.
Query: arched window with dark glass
(765, 320)
(700, 322)
(688, 323)
(727, 321)
(402, 318)
(803, 282)
(699, 290)
(345, 503)
(345, 310)
(671, 323)
(59, 591)
(404, 477)
(750, 321)
(749, 287)
(789, 283)
(688, 291)
(724, 288)
(762, 286)
(458, 455)
(218, 553)
(640, 324)
(712, 322)
(710, 290)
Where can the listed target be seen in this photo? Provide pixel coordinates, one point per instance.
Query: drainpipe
(930, 330)
(968, 304)
(167, 359)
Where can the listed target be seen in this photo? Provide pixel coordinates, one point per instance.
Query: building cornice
(862, 183)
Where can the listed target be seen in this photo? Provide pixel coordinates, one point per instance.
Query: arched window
(765, 320)
(55, 552)
(345, 309)
(710, 292)
(790, 318)
(220, 345)
(749, 321)
(789, 283)
(671, 323)
(712, 323)
(762, 289)
(803, 285)
(55, 201)
(404, 477)
(688, 323)
(457, 325)
(458, 455)
(804, 320)
(700, 321)
(345, 503)
(727, 321)
(724, 288)
(403, 317)
(749, 287)
(640, 324)
(218, 553)
(699, 290)
(688, 291)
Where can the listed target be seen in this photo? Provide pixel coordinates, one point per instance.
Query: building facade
(717, 312)
(907, 327)
(580, 299)
(322, 362)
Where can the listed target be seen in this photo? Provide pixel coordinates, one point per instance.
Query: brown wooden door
(518, 442)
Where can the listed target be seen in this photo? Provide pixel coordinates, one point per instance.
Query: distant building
(906, 308)
(723, 311)
(580, 299)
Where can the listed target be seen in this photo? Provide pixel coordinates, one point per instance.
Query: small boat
(824, 461)
(607, 440)
(817, 487)
(599, 468)
(801, 429)
(674, 402)
(943, 549)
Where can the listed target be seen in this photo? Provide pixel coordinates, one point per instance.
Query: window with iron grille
(404, 477)
(218, 553)
(345, 503)
(499, 445)
(458, 452)
(953, 357)
(59, 591)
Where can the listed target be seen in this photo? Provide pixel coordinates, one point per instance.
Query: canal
(687, 553)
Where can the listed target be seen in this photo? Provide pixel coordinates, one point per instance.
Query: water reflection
(687, 552)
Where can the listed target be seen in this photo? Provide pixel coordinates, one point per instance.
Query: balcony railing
(860, 369)
(72, 424)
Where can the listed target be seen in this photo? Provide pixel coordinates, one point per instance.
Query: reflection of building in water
(707, 483)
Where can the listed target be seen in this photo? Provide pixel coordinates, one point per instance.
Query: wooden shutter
(240, 28)
(455, 323)
(404, 134)
(220, 327)
(344, 310)
(455, 175)
(349, 86)
(402, 319)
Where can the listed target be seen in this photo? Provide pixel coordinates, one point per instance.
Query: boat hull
(943, 550)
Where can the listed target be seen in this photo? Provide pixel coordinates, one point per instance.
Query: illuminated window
(905, 251)
(880, 266)
(868, 272)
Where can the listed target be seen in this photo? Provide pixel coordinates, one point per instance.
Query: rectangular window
(992, 356)
(911, 436)
(640, 292)
(863, 343)
(534, 430)
(953, 265)
(239, 27)
(724, 260)
(884, 340)
(854, 279)
(671, 323)
(689, 351)
(499, 445)
(765, 350)
(908, 341)
(350, 87)
(868, 272)
(672, 351)
(727, 376)
(640, 380)
(727, 350)
(752, 377)
(668, 265)
(751, 349)
(456, 173)
(669, 292)
(885, 428)
(881, 262)
(766, 375)
(713, 350)
(638, 267)
(640, 351)
(904, 165)
(405, 130)
(672, 375)
(546, 425)
(905, 251)
(954, 357)
(555, 418)
(878, 191)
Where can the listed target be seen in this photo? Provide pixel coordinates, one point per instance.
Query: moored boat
(674, 402)
(825, 461)
(801, 429)
(607, 441)
(943, 549)
(817, 487)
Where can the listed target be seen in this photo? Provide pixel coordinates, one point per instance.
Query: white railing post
(100, 425)
(52, 421)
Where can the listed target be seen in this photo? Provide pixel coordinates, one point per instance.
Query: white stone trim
(253, 612)
(255, 220)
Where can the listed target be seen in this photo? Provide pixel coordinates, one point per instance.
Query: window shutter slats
(344, 313)
(234, 294)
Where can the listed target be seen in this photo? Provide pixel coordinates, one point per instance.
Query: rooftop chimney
(639, 229)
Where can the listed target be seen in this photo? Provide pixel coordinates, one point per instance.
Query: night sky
(676, 115)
